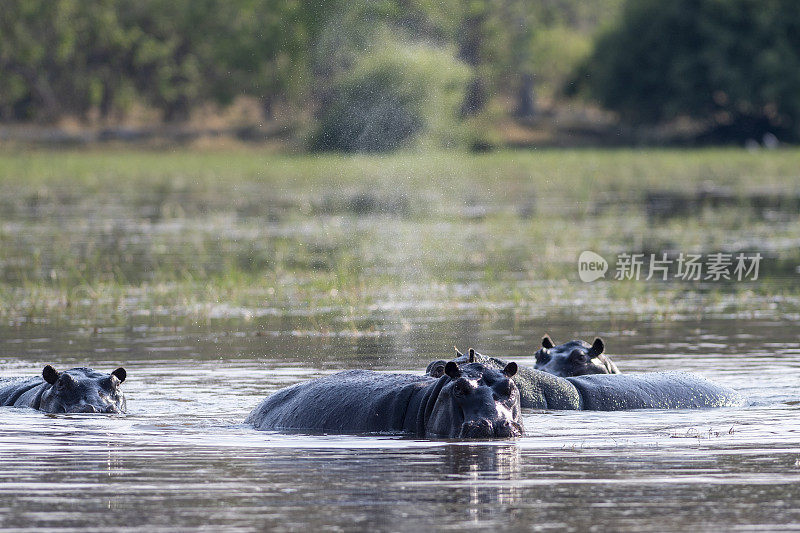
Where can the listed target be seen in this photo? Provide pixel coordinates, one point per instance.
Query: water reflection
(478, 479)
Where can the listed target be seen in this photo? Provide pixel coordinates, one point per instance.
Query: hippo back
(355, 401)
(540, 390)
(12, 390)
(652, 390)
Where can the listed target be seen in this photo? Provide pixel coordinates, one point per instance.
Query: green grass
(105, 235)
(552, 171)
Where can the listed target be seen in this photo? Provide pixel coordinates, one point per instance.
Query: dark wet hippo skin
(608, 392)
(467, 401)
(77, 390)
(574, 358)
(652, 390)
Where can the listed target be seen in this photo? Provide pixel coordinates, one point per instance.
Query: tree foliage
(732, 63)
(68, 56)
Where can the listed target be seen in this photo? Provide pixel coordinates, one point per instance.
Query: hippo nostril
(479, 429)
(506, 429)
(502, 430)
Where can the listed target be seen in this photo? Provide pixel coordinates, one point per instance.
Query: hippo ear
(471, 355)
(452, 370)
(436, 369)
(547, 342)
(597, 347)
(458, 354)
(50, 374)
(120, 374)
(510, 369)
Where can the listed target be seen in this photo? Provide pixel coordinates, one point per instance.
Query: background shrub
(734, 64)
(397, 95)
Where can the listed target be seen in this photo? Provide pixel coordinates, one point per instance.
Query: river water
(182, 460)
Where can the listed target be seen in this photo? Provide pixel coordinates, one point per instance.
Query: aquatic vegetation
(107, 235)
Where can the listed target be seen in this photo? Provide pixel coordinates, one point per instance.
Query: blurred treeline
(380, 74)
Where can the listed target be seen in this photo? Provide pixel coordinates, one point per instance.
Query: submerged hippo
(574, 358)
(466, 401)
(607, 392)
(77, 390)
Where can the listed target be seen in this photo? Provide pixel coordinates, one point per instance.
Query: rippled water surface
(182, 459)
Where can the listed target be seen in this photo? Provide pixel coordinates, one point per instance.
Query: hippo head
(436, 368)
(475, 402)
(82, 390)
(574, 358)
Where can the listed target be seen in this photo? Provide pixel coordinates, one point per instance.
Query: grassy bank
(109, 235)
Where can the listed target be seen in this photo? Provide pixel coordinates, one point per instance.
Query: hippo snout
(84, 408)
(485, 429)
(477, 429)
(89, 408)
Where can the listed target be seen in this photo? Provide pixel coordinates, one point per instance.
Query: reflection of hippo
(470, 401)
(609, 392)
(78, 390)
(473, 463)
(574, 358)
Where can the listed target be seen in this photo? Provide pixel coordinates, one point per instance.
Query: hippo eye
(542, 356)
(64, 381)
(503, 387)
(461, 387)
(579, 356)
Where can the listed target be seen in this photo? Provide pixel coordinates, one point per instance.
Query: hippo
(573, 358)
(607, 392)
(469, 401)
(77, 390)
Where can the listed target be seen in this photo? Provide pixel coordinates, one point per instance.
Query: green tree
(396, 95)
(734, 64)
(213, 50)
(61, 56)
(69, 56)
